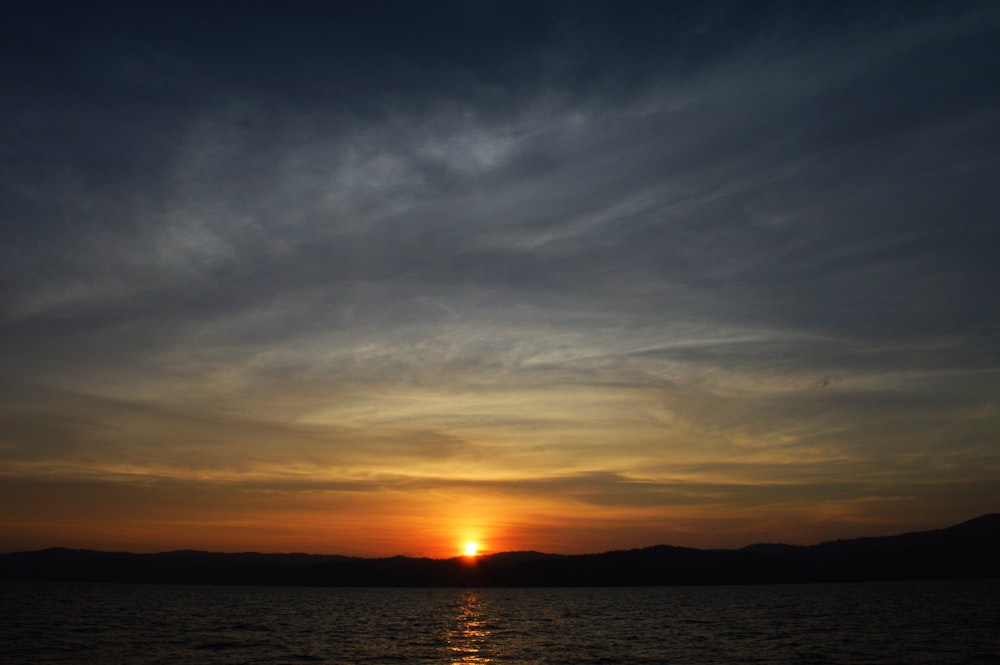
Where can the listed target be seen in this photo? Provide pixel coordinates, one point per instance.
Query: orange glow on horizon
(431, 523)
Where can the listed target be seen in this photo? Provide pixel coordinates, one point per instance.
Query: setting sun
(471, 549)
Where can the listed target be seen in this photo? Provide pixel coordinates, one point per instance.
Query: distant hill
(969, 549)
(966, 550)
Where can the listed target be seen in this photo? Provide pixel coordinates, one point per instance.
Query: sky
(378, 278)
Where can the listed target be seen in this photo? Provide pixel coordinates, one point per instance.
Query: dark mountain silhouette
(966, 550)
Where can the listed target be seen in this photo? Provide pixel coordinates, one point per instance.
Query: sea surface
(898, 622)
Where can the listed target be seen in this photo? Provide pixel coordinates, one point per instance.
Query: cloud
(622, 243)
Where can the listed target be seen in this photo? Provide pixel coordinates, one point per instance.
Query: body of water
(900, 622)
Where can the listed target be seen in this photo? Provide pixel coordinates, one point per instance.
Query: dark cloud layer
(722, 245)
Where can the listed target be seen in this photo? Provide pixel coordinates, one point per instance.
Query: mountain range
(967, 550)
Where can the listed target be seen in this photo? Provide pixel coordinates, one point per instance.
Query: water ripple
(925, 622)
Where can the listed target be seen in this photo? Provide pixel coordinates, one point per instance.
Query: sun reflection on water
(469, 634)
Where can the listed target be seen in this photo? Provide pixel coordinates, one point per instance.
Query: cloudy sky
(379, 278)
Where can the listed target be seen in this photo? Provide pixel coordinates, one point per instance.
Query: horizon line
(482, 555)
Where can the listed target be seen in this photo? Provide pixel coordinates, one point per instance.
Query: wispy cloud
(633, 271)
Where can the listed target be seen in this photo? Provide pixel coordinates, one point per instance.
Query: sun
(471, 548)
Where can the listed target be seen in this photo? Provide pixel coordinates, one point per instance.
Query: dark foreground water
(919, 622)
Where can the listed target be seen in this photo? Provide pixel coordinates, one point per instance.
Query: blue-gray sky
(380, 277)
